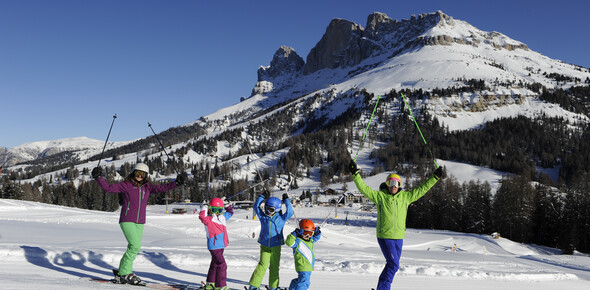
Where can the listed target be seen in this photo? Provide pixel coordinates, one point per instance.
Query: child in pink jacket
(214, 220)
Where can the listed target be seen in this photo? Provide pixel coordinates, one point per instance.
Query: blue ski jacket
(271, 227)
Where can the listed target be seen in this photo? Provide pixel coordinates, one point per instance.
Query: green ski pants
(133, 233)
(268, 255)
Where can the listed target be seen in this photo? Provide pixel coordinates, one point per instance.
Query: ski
(152, 285)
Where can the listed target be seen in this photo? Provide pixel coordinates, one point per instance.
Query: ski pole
(423, 139)
(322, 224)
(294, 215)
(367, 129)
(253, 160)
(107, 140)
(257, 184)
(164, 149)
(209, 176)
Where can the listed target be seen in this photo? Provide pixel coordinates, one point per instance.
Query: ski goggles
(393, 182)
(140, 174)
(270, 210)
(307, 235)
(215, 209)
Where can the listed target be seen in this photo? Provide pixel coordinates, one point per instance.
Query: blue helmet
(272, 205)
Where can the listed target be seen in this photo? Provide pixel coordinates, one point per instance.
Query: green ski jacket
(392, 209)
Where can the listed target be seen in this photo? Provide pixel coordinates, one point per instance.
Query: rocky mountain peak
(284, 61)
(341, 46)
(286, 64)
(346, 43)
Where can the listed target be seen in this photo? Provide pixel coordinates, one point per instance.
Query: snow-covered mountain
(35, 150)
(430, 51)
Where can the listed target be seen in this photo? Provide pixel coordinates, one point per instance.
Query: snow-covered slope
(53, 247)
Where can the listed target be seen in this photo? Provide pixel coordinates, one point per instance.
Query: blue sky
(67, 66)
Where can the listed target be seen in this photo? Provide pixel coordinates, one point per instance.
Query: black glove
(181, 178)
(96, 172)
(285, 196)
(439, 173)
(265, 193)
(353, 168)
(317, 231)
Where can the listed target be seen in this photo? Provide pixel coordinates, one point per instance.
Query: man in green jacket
(392, 208)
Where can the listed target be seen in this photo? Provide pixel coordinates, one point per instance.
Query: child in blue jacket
(272, 221)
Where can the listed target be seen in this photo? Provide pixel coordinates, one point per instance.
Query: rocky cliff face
(346, 44)
(341, 46)
(286, 64)
(285, 61)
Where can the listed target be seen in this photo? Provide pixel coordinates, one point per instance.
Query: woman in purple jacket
(135, 189)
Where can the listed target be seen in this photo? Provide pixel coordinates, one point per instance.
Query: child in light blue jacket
(272, 221)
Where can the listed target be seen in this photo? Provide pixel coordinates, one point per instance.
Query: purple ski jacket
(134, 198)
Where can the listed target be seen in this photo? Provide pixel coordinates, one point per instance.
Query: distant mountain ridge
(39, 149)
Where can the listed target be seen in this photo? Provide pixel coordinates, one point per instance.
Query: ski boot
(209, 286)
(128, 279)
(253, 288)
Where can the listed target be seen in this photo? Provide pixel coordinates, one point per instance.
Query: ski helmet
(141, 167)
(216, 206)
(393, 180)
(306, 225)
(216, 202)
(308, 228)
(272, 205)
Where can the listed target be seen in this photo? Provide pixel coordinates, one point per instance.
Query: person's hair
(131, 179)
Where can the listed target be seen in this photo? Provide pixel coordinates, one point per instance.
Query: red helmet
(308, 228)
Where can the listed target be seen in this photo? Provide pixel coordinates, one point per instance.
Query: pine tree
(548, 216)
(477, 207)
(513, 209)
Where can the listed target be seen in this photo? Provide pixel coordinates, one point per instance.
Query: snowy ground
(51, 247)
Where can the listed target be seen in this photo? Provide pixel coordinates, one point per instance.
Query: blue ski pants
(392, 251)
(302, 281)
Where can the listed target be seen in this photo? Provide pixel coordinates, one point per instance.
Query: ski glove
(96, 172)
(266, 194)
(439, 173)
(317, 231)
(181, 178)
(353, 168)
(285, 196)
(298, 232)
